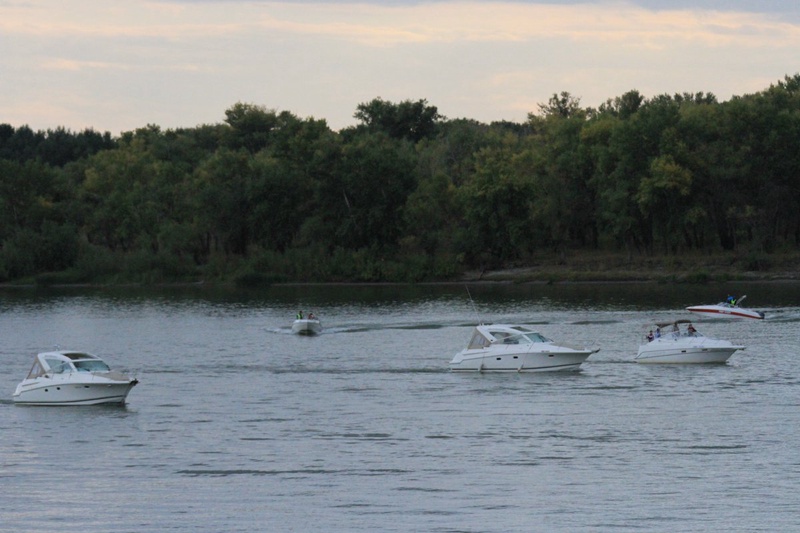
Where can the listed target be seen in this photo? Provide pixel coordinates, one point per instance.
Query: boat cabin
(64, 362)
(485, 336)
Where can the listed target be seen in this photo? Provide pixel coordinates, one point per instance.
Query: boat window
(537, 337)
(57, 366)
(91, 365)
(36, 370)
(507, 338)
(478, 341)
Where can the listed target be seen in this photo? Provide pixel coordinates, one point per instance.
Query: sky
(118, 65)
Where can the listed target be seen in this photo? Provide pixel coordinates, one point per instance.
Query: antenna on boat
(475, 309)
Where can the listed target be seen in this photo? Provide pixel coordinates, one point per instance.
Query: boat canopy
(673, 323)
(60, 362)
(504, 334)
(36, 370)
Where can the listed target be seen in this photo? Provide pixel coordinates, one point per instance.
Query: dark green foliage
(53, 147)
(408, 120)
(406, 195)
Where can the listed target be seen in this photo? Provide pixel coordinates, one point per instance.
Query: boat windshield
(91, 365)
(57, 366)
(523, 337)
(478, 341)
(36, 370)
(505, 336)
(537, 337)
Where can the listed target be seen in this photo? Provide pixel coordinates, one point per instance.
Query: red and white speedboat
(725, 310)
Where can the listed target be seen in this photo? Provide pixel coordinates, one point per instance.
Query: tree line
(406, 194)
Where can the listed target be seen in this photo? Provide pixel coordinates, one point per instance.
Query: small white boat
(514, 348)
(679, 342)
(307, 326)
(725, 310)
(72, 378)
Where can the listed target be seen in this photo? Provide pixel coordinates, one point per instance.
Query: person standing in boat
(299, 315)
(691, 330)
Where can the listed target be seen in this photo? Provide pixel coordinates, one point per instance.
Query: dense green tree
(54, 147)
(222, 183)
(251, 126)
(360, 203)
(497, 203)
(405, 194)
(563, 105)
(562, 173)
(280, 195)
(409, 120)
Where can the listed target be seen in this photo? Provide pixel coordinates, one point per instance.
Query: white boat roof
(498, 332)
(671, 323)
(65, 360)
(68, 355)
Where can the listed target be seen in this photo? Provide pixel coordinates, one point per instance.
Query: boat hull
(723, 312)
(48, 391)
(667, 351)
(493, 361)
(306, 327)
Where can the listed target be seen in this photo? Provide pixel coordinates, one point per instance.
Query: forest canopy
(406, 194)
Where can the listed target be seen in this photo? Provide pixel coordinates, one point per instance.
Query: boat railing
(674, 335)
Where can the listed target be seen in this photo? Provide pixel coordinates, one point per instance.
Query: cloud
(178, 63)
(380, 25)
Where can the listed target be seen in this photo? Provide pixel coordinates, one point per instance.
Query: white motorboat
(514, 348)
(726, 310)
(66, 377)
(679, 342)
(307, 326)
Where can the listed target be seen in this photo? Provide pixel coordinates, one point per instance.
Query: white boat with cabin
(67, 377)
(683, 344)
(516, 348)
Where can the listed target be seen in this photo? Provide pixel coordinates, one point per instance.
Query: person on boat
(658, 333)
(299, 315)
(311, 316)
(691, 330)
(650, 336)
(731, 301)
(676, 331)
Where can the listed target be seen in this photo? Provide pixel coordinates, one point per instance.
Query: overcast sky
(117, 65)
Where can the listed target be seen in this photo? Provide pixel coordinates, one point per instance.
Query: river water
(239, 426)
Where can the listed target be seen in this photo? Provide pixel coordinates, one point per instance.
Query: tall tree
(251, 126)
(409, 120)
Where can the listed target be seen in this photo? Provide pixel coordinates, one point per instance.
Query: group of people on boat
(300, 316)
(676, 332)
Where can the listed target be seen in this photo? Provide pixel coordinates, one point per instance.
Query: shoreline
(493, 278)
(574, 267)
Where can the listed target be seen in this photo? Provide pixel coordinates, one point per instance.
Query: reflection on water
(238, 425)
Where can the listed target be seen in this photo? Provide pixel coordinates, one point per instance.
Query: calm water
(238, 425)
